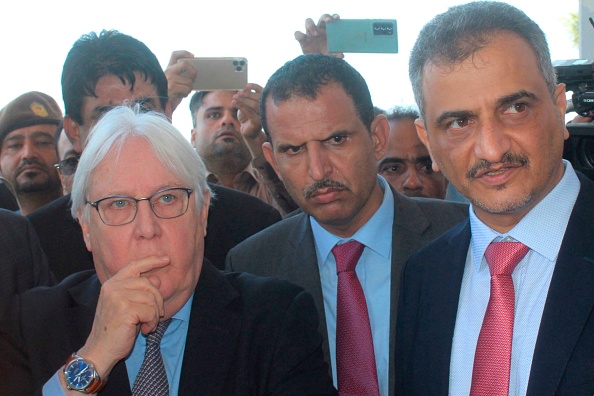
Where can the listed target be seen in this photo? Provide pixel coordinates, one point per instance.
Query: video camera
(578, 76)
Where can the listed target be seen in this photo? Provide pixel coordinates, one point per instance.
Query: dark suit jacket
(563, 362)
(233, 216)
(7, 200)
(22, 262)
(247, 336)
(287, 250)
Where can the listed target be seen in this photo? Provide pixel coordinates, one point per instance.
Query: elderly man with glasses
(218, 333)
(109, 69)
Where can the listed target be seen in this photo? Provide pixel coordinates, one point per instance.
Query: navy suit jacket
(247, 336)
(563, 362)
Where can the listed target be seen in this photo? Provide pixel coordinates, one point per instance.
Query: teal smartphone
(363, 36)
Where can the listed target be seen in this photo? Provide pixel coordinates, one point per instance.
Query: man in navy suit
(492, 116)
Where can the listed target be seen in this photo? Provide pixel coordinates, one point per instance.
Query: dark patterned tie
(492, 359)
(355, 358)
(152, 379)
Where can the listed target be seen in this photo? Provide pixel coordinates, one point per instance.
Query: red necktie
(492, 359)
(355, 359)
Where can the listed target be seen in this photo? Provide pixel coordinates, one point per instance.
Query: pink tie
(355, 359)
(492, 359)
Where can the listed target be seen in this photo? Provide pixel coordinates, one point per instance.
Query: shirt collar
(542, 236)
(184, 313)
(376, 234)
(249, 170)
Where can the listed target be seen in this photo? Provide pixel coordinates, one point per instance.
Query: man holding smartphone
(228, 135)
(137, 77)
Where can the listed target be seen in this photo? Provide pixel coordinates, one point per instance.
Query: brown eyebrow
(398, 160)
(509, 99)
(390, 160)
(501, 102)
(456, 114)
(214, 108)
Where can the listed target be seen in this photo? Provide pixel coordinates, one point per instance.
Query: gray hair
(453, 36)
(123, 123)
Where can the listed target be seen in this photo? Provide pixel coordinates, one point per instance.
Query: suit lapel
(407, 226)
(301, 266)
(439, 320)
(570, 299)
(215, 322)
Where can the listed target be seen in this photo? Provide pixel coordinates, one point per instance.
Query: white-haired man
(141, 197)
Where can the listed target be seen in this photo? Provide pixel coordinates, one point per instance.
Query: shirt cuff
(53, 386)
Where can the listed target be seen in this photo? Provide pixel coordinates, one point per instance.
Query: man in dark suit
(102, 71)
(22, 262)
(503, 303)
(221, 333)
(324, 144)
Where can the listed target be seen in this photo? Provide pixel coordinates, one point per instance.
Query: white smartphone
(229, 73)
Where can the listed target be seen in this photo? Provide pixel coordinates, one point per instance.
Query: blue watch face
(79, 374)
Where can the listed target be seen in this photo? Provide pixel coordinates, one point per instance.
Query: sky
(37, 35)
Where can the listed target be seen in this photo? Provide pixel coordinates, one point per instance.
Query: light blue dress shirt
(172, 349)
(374, 273)
(542, 230)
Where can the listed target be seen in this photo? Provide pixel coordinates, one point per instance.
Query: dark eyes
(516, 108)
(459, 123)
(337, 139)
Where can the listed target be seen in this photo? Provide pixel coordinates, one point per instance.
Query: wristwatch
(81, 375)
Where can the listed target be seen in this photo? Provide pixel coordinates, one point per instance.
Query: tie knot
(503, 257)
(156, 336)
(347, 255)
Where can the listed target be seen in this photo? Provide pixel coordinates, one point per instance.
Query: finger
(120, 298)
(310, 27)
(323, 20)
(147, 317)
(145, 291)
(182, 68)
(248, 98)
(177, 55)
(179, 89)
(251, 87)
(149, 327)
(136, 268)
(301, 37)
(251, 91)
(249, 110)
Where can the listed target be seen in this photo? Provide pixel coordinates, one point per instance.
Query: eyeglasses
(120, 209)
(68, 166)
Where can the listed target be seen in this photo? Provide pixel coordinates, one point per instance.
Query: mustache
(324, 183)
(29, 161)
(229, 128)
(506, 159)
